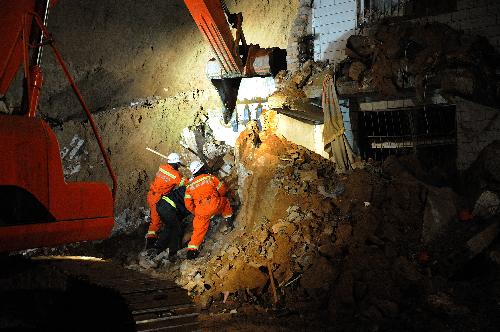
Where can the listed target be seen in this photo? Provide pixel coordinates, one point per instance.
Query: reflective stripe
(167, 173)
(192, 246)
(187, 196)
(169, 201)
(199, 180)
(220, 185)
(151, 233)
(182, 182)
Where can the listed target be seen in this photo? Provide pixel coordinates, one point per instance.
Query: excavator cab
(37, 207)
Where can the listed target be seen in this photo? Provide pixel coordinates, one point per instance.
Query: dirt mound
(354, 248)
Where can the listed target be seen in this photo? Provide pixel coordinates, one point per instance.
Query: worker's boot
(229, 224)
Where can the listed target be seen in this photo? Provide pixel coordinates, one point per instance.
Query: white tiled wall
(333, 22)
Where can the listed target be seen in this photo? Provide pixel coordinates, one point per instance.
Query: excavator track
(153, 304)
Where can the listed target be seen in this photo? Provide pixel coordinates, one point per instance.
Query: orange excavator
(234, 58)
(37, 207)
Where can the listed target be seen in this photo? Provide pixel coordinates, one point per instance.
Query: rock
(495, 256)
(345, 288)
(3, 107)
(440, 210)
(361, 45)
(372, 313)
(232, 253)
(483, 239)
(343, 234)
(487, 205)
(277, 100)
(320, 275)
(406, 270)
(484, 173)
(388, 308)
(308, 175)
(442, 303)
(328, 250)
(314, 88)
(279, 226)
(356, 69)
(293, 216)
(223, 271)
(229, 158)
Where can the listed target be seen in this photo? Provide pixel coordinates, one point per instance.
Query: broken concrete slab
(440, 210)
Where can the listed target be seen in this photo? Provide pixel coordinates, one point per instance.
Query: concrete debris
(442, 303)
(487, 205)
(440, 210)
(128, 221)
(482, 240)
(73, 155)
(391, 58)
(3, 107)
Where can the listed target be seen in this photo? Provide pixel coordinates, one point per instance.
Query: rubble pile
(361, 248)
(294, 89)
(199, 142)
(392, 58)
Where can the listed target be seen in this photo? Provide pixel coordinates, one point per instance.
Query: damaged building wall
(334, 21)
(476, 125)
(301, 42)
(304, 134)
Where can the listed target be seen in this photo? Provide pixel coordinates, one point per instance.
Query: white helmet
(195, 166)
(173, 158)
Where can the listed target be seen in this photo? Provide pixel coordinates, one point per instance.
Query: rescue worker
(167, 178)
(172, 212)
(205, 198)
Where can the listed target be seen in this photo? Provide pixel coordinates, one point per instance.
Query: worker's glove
(192, 254)
(150, 242)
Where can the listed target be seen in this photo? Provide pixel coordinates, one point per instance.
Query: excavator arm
(234, 59)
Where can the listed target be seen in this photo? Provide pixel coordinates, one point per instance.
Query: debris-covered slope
(359, 249)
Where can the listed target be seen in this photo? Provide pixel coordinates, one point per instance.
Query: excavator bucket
(228, 93)
(37, 207)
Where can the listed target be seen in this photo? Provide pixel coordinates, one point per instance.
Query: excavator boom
(234, 59)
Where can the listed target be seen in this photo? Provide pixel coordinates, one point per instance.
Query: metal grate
(403, 131)
(377, 9)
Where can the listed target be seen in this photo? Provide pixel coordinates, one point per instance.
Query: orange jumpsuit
(167, 178)
(205, 198)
